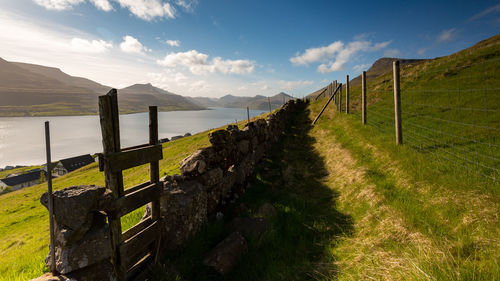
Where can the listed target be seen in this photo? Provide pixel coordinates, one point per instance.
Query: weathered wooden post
(154, 174)
(269, 102)
(363, 97)
(347, 94)
(324, 107)
(248, 115)
(339, 107)
(51, 199)
(335, 87)
(397, 103)
(110, 129)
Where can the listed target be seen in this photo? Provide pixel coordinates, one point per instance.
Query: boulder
(219, 137)
(226, 254)
(248, 226)
(194, 164)
(266, 210)
(184, 207)
(94, 247)
(212, 177)
(243, 146)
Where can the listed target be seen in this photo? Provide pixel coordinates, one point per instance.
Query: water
(22, 139)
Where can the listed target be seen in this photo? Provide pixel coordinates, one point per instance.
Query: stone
(94, 247)
(266, 210)
(212, 177)
(219, 137)
(248, 226)
(184, 209)
(194, 164)
(243, 146)
(73, 205)
(228, 182)
(226, 254)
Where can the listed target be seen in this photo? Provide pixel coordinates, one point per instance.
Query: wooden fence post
(397, 103)
(347, 94)
(154, 174)
(108, 115)
(269, 102)
(51, 200)
(363, 97)
(248, 115)
(339, 107)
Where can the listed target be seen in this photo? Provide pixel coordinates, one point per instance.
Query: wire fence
(451, 112)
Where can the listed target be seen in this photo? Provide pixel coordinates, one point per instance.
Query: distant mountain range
(258, 102)
(36, 90)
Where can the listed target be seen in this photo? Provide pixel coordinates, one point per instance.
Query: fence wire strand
(451, 112)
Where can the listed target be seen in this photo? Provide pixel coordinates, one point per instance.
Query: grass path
(353, 206)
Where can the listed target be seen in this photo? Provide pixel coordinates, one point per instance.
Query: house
(67, 165)
(23, 180)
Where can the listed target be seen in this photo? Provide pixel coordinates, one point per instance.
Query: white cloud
(90, 46)
(173, 43)
(132, 45)
(360, 67)
(421, 51)
(335, 55)
(317, 54)
(102, 5)
(58, 5)
(490, 10)
(447, 35)
(392, 53)
(148, 9)
(292, 85)
(198, 63)
(187, 5)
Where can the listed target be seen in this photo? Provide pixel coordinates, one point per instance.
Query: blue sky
(213, 48)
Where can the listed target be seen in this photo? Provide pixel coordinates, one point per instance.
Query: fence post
(108, 115)
(51, 200)
(339, 107)
(269, 102)
(335, 87)
(248, 115)
(154, 174)
(347, 94)
(397, 103)
(363, 97)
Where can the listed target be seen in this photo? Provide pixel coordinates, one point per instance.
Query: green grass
(24, 237)
(20, 170)
(24, 221)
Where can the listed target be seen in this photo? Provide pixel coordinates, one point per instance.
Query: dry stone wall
(210, 178)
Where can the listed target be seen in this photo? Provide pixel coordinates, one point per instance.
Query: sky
(244, 48)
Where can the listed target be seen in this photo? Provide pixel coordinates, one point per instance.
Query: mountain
(36, 90)
(257, 102)
(379, 68)
(144, 95)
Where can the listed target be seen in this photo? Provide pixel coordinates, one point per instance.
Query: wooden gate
(136, 247)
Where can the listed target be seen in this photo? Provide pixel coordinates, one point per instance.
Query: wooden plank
(134, 200)
(326, 105)
(118, 162)
(137, 272)
(130, 247)
(397, 104)
(137, 187)
(136, 228)
(134, 147)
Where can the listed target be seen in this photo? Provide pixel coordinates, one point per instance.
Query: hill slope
(35, 90)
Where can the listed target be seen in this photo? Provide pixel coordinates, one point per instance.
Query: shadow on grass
(299, 241)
